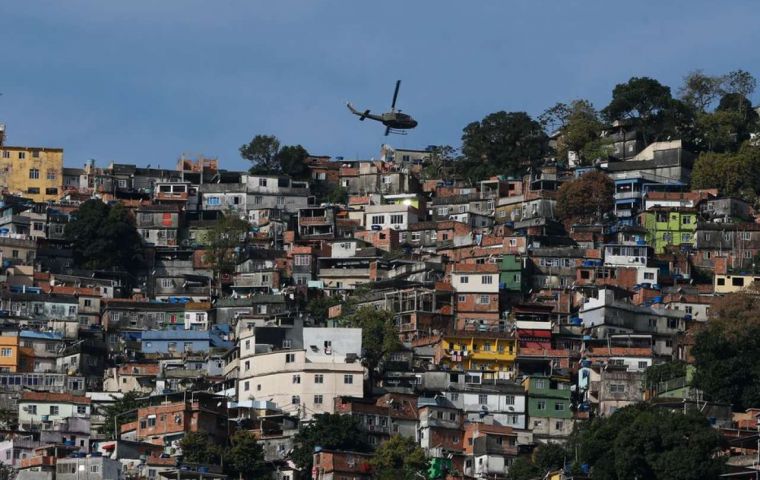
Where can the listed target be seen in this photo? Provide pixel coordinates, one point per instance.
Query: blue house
(179, 341)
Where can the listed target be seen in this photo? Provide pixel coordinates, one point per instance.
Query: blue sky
(144, 81)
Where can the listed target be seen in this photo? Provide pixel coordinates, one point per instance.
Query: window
(396, 219)
(319, 378)
(34, 173)
(318, 399)
(54, 410)
(617, 388)
(167, 283)
(559, 407)
(258, 200)
(33, 190)
(348, 379)
(94, 468)
(290, 357)
(643, 365)
(51, 174)
(212, 201)
(486, 346)
(32, 409)
(685, 237)
(262, 182)
(246, 386)
(746, 235)
(303, 260)
(559, 425)
(648, 275)
(247, 365)
(6, 154)
(486, 279)
(296, 378)
(6, 352)
(21, 155)
(295, 400)
(482, 399)
(464, 279)
(539, 383)
(378, 219)
(484, 299)
(686, 220)
(509, 399)
(541, 405)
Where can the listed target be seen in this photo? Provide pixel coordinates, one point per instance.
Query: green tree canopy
(400, 458)
(245, 457)
(651, 106)
(197, 447)
(726, 351)
(122, 410)
(643, 441)
(331, 432)
(379, 337)
(228, 234)
(579, 126)
(104, 237)
(734, 174)
(588, 197)
(269, 158)
(503, 143)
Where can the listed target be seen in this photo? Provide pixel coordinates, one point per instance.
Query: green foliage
(734, 174)
(104, 237)
(523, 469)
(664, 372)
(331, 432)
(700, 90)
(501, 144)
(643, 441)
(441, 163)
(318, 308)
(549, 456)
(245, 458)
(400, 458)
(197, 447)
(379, 336)
(123, 410)
(586, 198)
(651, 106)
(726, 351)
(7, 472)
(228, 234)
(579, 126)
(269, 159)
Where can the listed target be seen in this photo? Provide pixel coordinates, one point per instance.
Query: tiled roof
(54, 398)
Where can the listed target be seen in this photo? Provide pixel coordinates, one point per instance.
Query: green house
(511, 273)
(548, 397)
(669, 226)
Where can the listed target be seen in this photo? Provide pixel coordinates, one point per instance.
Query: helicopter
(394, 121)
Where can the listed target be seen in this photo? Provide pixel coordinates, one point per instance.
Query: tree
(379, 337)
(329, 431)
(739, 82)
(223, 243)
(245, 458)
(197, 447)
(700, 90)
(523, 469)
(104, 237)
(726, 351)
(501, 144)
(644, 441)
(400, 458)
(734, 174)
(549, 456)
(262, 152)
(649, 104)
(269, 158)
(441, 163)
(292, 161)
(318, 308)
(586, 198)
(122, 410)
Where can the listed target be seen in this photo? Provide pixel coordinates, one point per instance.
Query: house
(326, 364)
(480, 351)
(181, 341)
(549, 407)
(382, 417)
(491, 449)
(343, 465)
(44, 410)
(396, 217)
(91, 468)
(476, 289)
(159, 225)
(669, 226)
(33, 172)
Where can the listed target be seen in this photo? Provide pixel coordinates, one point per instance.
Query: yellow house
(9, 354)
(495, 351)
(32, 172)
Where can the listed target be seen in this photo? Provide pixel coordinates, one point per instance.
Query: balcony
(323, 220)
(32, 462)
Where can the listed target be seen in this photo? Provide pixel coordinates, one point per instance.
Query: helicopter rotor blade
(364, 115)
(395, 95)
(387, 131)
